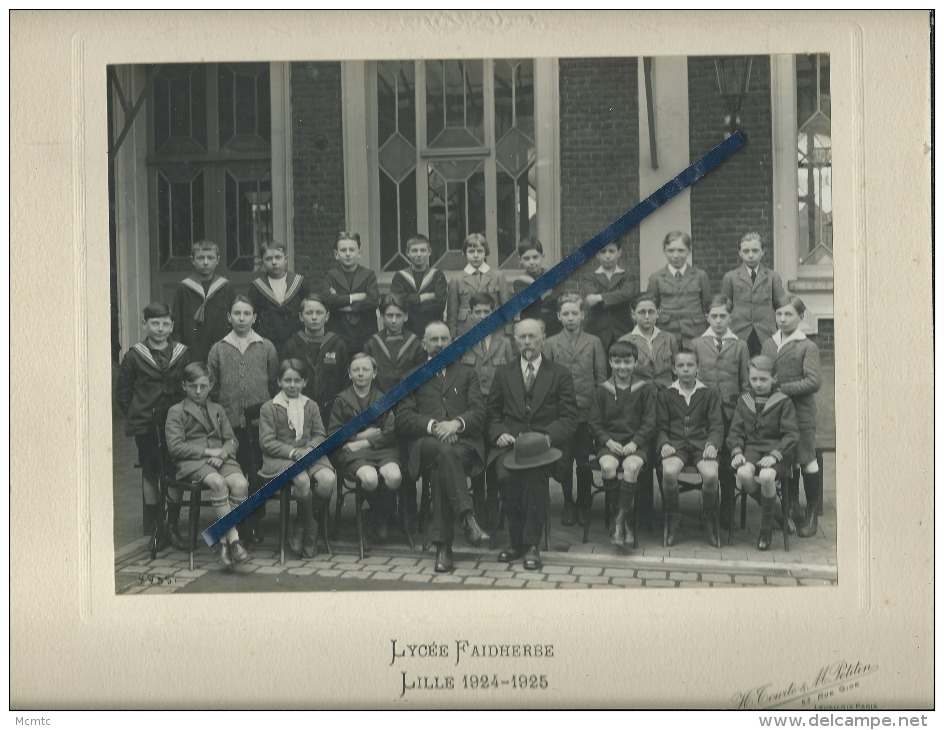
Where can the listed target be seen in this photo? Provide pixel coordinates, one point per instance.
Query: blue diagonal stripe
(501, 316)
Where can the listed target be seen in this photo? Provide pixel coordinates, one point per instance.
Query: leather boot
(172, 530)
(710, 516)
(626, 504)
(812, 484)
(796, 512)
(673, 518)
(584, 481)
(766, 533)
(156, 519)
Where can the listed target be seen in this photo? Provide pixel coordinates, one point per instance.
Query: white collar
(729, 335)
(483, 269)
(676, 385)
(639, 332)
(617, 270)
(673, 270)
(536, 362)
(780, 341)
(233, 339)
(283, 400)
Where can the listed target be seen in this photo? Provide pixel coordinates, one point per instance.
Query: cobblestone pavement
(394, 568)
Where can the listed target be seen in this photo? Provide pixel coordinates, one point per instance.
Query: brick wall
(599, 150)
(317, 164)
(825, 340)
(738, 196)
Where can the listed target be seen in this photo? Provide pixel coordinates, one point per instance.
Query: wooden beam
(129, 118)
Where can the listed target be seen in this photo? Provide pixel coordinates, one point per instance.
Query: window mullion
(422, 176)
(491, 168)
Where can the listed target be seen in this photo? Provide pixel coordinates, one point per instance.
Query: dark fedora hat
(531, 450)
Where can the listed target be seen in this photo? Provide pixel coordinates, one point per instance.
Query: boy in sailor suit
(201, 302)
(422, 288)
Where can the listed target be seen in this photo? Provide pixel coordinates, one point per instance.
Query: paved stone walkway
(393, 568)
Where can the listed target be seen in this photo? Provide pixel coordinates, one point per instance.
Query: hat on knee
(531, 450)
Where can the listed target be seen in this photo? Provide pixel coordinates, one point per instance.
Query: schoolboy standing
(485, 357)
(276, 295)
(151, 376)
(583, 355)
(754, 289)
(531, 256)
(324, 353)
(477, 276)
(397, 352)
(201, 302)
(421, 287)
(608, 292)
(684, 290)
(351, 294)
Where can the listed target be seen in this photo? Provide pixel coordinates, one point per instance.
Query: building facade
(557, 148)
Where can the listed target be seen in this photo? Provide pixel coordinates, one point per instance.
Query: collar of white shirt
(639, 332)
(729, 335)
(617, 270)
(536, 362)
(232, 339)
(780, 340)
(483, 269)
(673, 270)
(677, 386)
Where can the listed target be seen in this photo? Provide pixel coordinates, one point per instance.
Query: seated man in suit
(442, 420)
(530, 394)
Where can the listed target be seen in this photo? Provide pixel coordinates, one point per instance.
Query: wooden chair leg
(285, 505)
(785, 515)
(819, 463)
(407, 528)
(499, 519)
(358, 507)
(324, 517)
(194, 525)
(589, 509)
(339, 503)
(547, 526)
(635, 519)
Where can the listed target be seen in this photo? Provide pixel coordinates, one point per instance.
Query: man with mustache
(443, 421)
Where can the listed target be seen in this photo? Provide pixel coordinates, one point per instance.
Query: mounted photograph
(289, 240)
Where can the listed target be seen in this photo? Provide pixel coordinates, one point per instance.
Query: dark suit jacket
(361, 315)
(553, 406)
(458, 395)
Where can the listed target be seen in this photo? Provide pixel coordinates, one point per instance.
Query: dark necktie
(442, 378)
(529, 377)
(678, 274)
(753, 276)
(720, 343)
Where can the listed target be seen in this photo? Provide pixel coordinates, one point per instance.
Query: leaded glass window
(814, 160)
(455, 155)
(210, 162)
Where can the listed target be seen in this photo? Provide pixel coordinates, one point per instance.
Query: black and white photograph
(357, 216)
(680, 449)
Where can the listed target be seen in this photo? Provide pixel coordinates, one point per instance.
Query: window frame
(359, 119)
